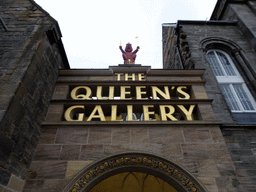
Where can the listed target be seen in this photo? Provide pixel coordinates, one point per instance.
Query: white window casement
(231, 83)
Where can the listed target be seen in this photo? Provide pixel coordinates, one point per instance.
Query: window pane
(226, 64)
(215, 64)
(232, 103)
(243, 97)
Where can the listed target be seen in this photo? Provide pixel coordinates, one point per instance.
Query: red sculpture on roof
(128, 55)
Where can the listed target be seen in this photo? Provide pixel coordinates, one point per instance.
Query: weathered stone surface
(209, 183)
(100, 136)
(70, 152)
(33, 185)
(54, 113)
(152, 148)
(121, 135)
(61, 92)
(172, 149)
(165, 135)
(76, 166)
(91, 152)
(48, 170)
(72, 136)
(29, 66)
(139, 135)
(197, 135)
(194, 151)
(48, 136)
(16, 183)
(54, 184)
(47, 152)
(4, 177)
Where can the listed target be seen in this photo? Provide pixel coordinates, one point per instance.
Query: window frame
(231, 81)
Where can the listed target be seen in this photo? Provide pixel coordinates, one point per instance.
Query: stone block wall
(28, 73)
(196, 33)
(244, 13)
(170, 56)
(241, 143)
(63, 151)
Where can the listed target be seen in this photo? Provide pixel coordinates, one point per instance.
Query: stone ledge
(141, 123)
(133, 102)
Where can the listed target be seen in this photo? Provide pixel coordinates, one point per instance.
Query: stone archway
(138, 166)
(133, 182)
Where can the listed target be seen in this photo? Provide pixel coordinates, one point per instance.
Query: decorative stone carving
(169, 170)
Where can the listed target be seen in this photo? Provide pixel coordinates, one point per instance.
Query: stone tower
(31, 54)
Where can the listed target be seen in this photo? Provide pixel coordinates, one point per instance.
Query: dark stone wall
(240, 139)
(28, 71)
(245, 15)
(192, 37)
(170, 55)
(241, 143)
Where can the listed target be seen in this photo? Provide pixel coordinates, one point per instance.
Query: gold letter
(139, 92)
(141, 77)
(181, 92)
(123, 92)
(81, 96)
(69, 111)
(129, 77)
(146, 113)
(99, 93)
(165, 95)
(187, 113)
(129, 114)
(111, 92)
(164, 115)
(113, 113)
(118, 76)
(100, 112)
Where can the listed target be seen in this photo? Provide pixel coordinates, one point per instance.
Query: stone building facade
(230, 31)
(187, 127)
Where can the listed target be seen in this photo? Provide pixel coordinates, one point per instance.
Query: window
(231, 83)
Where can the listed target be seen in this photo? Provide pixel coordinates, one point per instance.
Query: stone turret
(31, 53)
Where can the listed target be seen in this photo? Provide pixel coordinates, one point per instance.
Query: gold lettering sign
(156, 90)
(139, 92)
(166, 113)
(125, 92)
(81, 96)
(146, 112)
(130, 77)
(130, 112)
(70, 111)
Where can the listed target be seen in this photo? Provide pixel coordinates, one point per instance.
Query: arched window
(231, 83)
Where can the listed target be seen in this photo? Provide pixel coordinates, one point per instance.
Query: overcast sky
(92, 30)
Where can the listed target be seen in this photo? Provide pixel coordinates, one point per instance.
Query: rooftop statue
(128, 55)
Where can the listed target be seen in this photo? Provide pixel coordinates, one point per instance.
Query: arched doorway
(133, 171)
(133, 182)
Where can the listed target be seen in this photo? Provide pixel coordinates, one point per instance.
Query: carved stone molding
(218, 40)
(160, 167)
